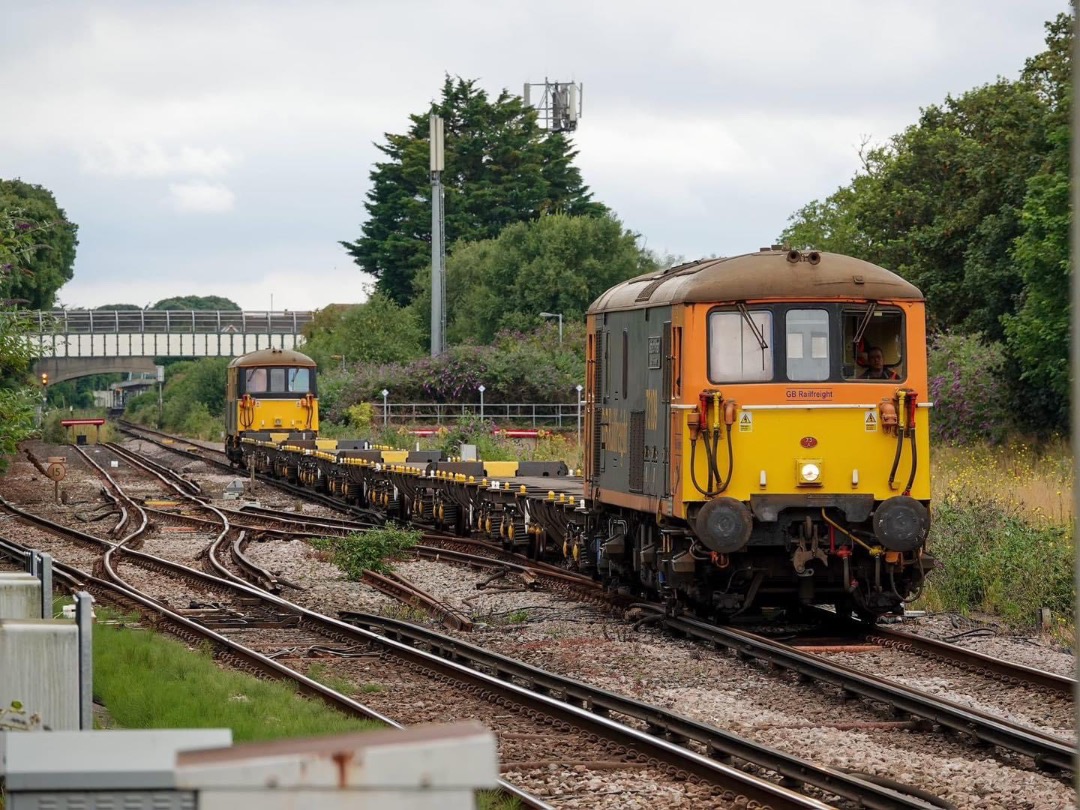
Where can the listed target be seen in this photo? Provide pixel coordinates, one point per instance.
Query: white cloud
(705, 123)
(201, 197)
(151, 159)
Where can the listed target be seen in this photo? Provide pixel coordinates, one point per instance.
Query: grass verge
(151, 681)
(993, 558)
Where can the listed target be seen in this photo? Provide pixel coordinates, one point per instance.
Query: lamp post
(579, 390)
(385, 408)
(554, 315)
(481, 389)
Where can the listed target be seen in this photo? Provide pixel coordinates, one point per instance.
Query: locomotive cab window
(299, 380)
(873, 344)
(807, 345)
(740, 346)
(277, 381)
(255, 381)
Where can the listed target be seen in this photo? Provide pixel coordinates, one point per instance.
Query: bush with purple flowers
(968, 389)
(517, 367)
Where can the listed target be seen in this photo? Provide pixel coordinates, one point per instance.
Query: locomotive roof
(766, 274)
(273, 357)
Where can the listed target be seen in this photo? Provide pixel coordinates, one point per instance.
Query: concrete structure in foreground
(434, 767)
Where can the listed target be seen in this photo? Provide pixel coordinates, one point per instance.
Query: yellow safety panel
(849, 458)
(500, 469)
(326, 444)
(394, 456)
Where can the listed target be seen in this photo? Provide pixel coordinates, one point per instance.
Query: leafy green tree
(940, 203)
(377, 331)
(501, 168)
(557, 263)
(832, 224)
(37, 245)
(1038, 334)
(111, 307)
(193, 398)
(202, 302)
(18, 398)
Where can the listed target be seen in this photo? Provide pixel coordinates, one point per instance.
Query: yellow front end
(813, 452)
(282, 416)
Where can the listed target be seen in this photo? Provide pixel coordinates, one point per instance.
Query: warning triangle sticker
(871, 418)
(745, 419)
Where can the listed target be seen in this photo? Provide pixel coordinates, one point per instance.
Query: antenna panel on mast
(560, 105)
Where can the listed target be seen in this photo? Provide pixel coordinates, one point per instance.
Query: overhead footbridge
(78, 343)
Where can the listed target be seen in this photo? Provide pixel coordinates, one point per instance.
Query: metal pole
(45, 575)
(385, 408)
(438, 243)
(560, 329)
(579, 417)
(1074, 169)
(84, 618)
(481, 389)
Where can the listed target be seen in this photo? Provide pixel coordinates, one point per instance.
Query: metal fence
(558, 415)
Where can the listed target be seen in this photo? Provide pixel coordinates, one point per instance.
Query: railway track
(1046, 750)
(271, 623)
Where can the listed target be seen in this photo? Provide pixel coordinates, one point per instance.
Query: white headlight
(810, 472)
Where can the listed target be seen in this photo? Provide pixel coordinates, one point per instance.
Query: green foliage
(501, 168)
(967, 387)
(557, 263)
(193, 399)
(37, 245)
(202, 302)
(377, 331)
(1038, 334)
(149, 681)
(518, 367)
(993, 560)
(361, 415)
(19, 399)
(478, 432)
(17, 410)
(939, 203)
(971, 204)
(369, 550)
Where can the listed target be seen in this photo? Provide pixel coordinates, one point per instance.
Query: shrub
(994, 560)
(361, 415)
(968, 389)
(368, 551)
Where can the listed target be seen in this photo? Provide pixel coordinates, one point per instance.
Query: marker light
(808, 472)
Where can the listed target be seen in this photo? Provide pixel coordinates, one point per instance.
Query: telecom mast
(560, 104)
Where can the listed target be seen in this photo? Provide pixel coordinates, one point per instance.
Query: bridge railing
(560, 414)
(147, 321)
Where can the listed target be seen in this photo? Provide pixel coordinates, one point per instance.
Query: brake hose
(914, 446)
(902, 416)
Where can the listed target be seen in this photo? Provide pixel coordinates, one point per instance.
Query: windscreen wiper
(753, 326)
(865, 322)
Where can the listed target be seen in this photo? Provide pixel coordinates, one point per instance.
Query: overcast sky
(223, 148)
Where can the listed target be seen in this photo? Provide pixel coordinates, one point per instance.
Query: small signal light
(44, 378)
